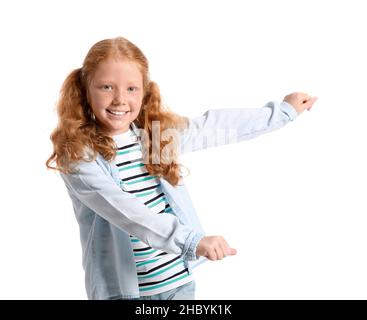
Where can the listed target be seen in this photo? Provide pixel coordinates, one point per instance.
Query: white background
(291, 202)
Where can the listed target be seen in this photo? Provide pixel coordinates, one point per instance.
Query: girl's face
(116, 94)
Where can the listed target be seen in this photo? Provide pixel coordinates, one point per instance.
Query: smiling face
(115, 94)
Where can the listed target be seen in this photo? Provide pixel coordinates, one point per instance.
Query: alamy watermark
(182, 141)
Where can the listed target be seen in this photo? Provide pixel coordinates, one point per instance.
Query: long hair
(77, 130)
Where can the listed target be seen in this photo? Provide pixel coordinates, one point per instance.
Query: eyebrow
(135, 83)
(130, 83)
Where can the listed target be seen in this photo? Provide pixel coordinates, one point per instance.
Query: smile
(117, 113)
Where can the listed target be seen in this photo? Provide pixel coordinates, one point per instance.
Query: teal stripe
(168, 210)
(131, 167)
(162, 271)
(140, 180)
(164, 284)
(135, 240)
(120, 153)
(145, 194)
(155, 203)
(144, 253)
(146, 262)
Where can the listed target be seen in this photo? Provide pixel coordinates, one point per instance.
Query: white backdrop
(291, 202)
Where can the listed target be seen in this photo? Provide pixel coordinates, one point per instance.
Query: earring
(91, 115)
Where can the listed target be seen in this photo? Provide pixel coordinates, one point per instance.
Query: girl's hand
(214, 248)
(300, 101)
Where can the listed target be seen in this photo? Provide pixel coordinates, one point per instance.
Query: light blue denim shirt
(107, 215)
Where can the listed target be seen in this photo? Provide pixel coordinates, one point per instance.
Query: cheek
(99, 102)
(138, 102)
(137, 107)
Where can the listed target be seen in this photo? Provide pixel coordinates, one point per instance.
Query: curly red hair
(77, 129)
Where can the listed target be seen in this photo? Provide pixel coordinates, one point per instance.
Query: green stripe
(160, 272)
(145, 194)
(120, 153)
(130, 167)
(163, 284)
(155, 203)
(144, 253)
(140, 180)
(146, 262)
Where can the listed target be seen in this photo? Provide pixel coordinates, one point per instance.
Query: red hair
(77, 130)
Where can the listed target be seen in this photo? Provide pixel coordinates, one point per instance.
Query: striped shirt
(157, 271)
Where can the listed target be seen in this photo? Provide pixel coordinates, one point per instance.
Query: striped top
(157, 271)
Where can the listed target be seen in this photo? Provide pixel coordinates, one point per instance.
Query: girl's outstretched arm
(224, 126)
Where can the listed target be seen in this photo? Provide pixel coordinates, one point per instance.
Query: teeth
(118, 113)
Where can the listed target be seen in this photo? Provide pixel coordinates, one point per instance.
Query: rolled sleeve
(189, 250)
(289, 110)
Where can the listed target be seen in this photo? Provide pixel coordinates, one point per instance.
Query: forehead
(118, 69)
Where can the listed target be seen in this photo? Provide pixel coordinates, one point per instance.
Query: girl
(116, 148)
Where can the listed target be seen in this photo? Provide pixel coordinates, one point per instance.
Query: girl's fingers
(309, 103)
(228, 251)
(212, 255)
(225, 248)
(231, 252)
(305, 96)
(220, 253)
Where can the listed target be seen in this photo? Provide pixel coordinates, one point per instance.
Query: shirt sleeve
(99, 192)
(224, 126)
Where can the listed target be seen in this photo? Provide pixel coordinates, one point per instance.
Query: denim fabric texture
(107, 215)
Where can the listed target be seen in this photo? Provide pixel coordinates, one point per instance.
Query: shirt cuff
(289, 110)
(191, 244)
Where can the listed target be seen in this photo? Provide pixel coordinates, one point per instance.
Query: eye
(134, 89)
(107, 87)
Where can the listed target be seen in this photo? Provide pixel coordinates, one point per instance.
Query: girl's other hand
(214, 248)
(300, 101)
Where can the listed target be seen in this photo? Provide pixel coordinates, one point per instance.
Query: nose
(119, 98)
